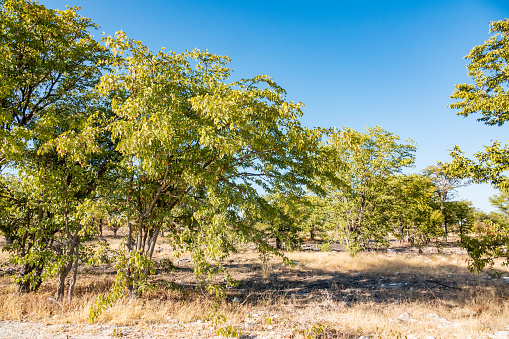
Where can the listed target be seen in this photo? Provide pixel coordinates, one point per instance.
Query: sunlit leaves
(359, 203)
(489, 68)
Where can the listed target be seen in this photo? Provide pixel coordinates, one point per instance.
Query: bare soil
(395, 294)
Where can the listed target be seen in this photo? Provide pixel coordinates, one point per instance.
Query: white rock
(501, 335)
(439, 320)
(404, 317)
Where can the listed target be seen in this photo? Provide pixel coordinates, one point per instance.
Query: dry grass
(351, 296)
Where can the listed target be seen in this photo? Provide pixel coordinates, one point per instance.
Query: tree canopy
(488, 96)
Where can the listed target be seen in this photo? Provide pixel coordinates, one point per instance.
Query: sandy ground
(28, 330)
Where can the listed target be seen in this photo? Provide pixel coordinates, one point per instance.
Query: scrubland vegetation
(215, 188)
(374, 294)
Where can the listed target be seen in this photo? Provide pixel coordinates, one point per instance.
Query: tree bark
(74, 276)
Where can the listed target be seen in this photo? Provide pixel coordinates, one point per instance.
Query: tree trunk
(442, 210)
(24, 286)
(278, 244)
(62, 275)
(74, 276)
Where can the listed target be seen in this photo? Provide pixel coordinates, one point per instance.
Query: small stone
(438, 319)
(501, 335)
(404, 317)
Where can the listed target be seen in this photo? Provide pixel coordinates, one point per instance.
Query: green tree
(413, 212)
(461, 214)
(49, 65)
(358, 205)
(446, 182)
(313, 217)
(196, 151)
(48, 58)
(284, 220)
(487, 96)
(501, 202)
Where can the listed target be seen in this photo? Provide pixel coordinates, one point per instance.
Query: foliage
(501, 202)
(489, 70)
(285, 220)
(194, 151)
(446, 181)
(312, 332)
(313, 217)
(229, 332)
(49, 116)
(491, 242)
(462, 214)
(359, 204)
(413, 211)
(488, 97)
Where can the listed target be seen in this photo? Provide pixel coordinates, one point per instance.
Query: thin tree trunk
(74, 276)
(62, 275)
(278, 243)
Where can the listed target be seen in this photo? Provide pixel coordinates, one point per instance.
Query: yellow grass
(478, 307)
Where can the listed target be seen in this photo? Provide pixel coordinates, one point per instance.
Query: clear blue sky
(352, 63)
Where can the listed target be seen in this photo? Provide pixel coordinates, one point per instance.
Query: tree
(460, 213)
(195, 152)
(446, 182)
(49, 65)
(501, 202)
(412, 209)
(313, 216)
(487, 96)
(358, 204)
(284, 220)
(48, 58)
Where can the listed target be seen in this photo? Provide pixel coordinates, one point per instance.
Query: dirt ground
(395, 294)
